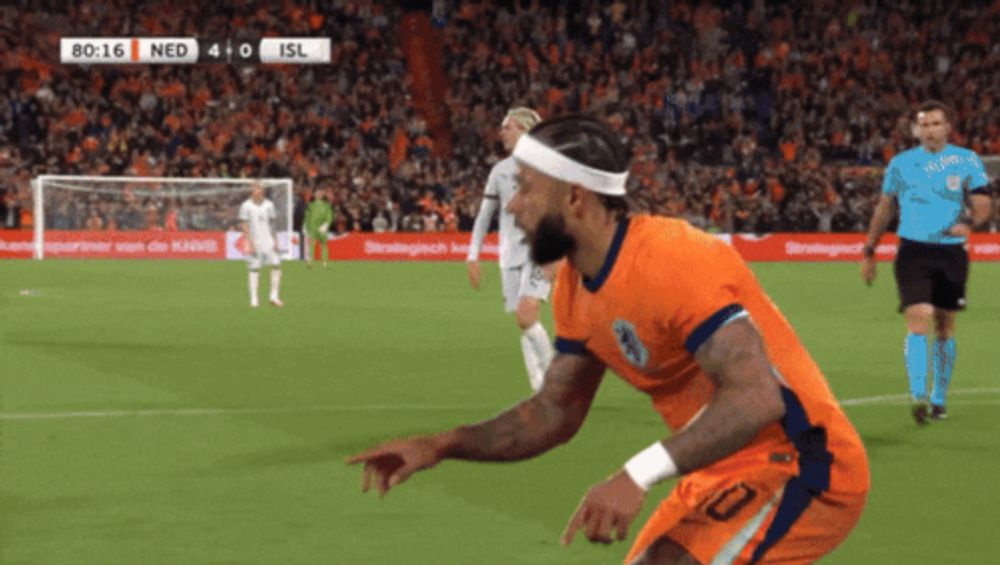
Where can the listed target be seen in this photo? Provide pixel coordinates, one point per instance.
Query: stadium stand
(739, 118)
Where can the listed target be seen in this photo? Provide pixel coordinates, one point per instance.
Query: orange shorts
(763, 514)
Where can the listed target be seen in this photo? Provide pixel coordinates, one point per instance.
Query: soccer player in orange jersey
(771, 470)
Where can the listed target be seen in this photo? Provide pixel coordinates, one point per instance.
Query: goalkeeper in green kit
(316, 226)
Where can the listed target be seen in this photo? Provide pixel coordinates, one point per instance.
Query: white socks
(535, 374)
(275, 283)
(254, 284)
(537, 353)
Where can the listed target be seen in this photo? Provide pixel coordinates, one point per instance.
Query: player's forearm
(482, 225)
(880, 222)
(980, 210)
(530, 428)
(747, 397)
(733, 418)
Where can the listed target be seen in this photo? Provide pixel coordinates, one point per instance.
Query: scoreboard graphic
(190, 50)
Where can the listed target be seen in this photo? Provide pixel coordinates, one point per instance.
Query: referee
(942, 194)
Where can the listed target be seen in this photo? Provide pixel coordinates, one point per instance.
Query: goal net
(75, 211)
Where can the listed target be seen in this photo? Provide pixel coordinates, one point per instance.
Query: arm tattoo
(549, 418)
(747, 398)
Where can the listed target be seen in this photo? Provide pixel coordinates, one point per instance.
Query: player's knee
(919, 318)
(526, 313)
(944, 326)
(664, 551)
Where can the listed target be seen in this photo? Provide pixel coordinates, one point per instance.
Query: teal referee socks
(915, 356)
(944, 360)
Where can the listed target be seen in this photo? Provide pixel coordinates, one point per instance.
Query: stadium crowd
(750, 117)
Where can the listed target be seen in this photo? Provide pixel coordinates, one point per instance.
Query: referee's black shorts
(931, 273)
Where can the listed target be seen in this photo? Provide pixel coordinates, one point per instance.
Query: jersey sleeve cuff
(570, 346)
(705, 330)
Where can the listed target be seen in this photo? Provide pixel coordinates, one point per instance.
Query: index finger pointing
(574, 524)
(364, 456)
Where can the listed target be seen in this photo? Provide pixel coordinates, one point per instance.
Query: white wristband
(650, 466)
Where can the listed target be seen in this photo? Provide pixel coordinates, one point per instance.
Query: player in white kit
(260, 243)
(524, 283)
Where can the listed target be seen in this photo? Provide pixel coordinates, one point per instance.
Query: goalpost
(136, 204)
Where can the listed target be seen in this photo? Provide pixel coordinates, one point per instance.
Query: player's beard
(551, 241)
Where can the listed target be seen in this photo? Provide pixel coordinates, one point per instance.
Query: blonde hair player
(524, 283)
(260, 243)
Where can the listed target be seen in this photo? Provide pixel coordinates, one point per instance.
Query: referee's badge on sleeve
(954, 182)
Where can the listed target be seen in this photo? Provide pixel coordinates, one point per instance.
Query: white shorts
(257, 260)
(526, 280)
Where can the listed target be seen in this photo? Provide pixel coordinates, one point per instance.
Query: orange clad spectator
(76, 118)
(775, 190)
(27, 218)
(788, 147)
(316, 21)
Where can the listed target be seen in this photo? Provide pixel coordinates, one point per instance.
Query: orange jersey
(663, 290)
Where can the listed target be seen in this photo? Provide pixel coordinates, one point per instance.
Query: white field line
(182, 412)
(889, 399)
(905, 398)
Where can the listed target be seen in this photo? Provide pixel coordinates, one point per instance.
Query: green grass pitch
(148, 415)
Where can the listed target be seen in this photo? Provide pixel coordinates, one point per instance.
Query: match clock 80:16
(95, 50)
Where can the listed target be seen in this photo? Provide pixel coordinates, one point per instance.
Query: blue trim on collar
(594, 284)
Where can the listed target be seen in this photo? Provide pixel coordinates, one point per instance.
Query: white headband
(532, 152)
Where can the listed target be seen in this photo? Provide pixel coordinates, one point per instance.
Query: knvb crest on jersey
(629, 344)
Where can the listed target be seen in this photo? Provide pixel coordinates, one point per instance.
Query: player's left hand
(960, 230)
(868, 270)
(608, 507)
(472, 269)
(393, 462)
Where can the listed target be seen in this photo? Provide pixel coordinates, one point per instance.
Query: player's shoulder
(661, 233)
(672, 252)
(911, 155)
(505, 166)
(958, 150)
(966, 154)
